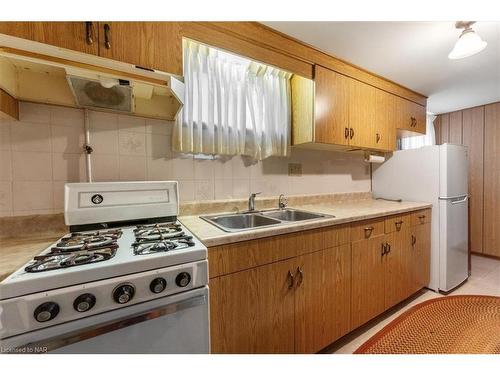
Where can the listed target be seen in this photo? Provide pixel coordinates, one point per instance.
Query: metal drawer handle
(384, 249)
(107, 39)
(301, 276)
(89, 34)
(346, 133)
(291, 280)
(351, 133)
(378, 137)
(413, 240)
(368, 231)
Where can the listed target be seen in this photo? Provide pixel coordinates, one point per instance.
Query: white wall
(43, 150)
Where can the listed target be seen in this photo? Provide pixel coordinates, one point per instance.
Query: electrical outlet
(294, 169)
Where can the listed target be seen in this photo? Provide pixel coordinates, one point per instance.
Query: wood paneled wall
(478, 128)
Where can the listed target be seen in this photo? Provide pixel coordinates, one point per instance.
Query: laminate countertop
(344, 212)
(16, 252)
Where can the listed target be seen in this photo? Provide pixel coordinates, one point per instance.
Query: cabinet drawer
(397, 223)
(367, 229)
(421, 217)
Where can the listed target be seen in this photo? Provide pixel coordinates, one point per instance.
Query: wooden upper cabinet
(77, 36)
(410, 116)
(150, 45)
(362, 114)
(385, 124)
(331, 113)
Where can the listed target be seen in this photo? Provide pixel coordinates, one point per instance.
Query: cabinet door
(331, 107)
(150, 45)
(253, 311)
(77, 36)
(362, 114)
(385, 123)
(491, 244)
(473, 133)
(455, 128)
(322, 299)
(418, 112)
(397, 264)
(420, 256)
(367, 286)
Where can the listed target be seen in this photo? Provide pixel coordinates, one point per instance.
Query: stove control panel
(57, 306)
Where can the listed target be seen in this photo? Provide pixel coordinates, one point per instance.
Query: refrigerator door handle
(461, 198)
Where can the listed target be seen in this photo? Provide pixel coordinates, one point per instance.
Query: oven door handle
(123, 322)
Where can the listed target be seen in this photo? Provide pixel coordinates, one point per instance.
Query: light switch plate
(294, 169)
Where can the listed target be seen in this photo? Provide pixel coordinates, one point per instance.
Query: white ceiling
(413, 54)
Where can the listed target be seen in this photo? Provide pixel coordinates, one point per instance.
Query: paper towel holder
(374, 157)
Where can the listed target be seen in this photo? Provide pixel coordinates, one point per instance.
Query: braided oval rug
(446, 325)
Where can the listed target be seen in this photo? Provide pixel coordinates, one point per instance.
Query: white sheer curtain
(421, 140)
(232, 106)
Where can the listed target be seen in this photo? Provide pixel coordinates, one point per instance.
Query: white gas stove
(128, 266)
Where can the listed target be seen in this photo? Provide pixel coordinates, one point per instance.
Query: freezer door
(453, 242)
(453, 170)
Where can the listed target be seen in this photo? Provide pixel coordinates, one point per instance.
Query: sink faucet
(282, 202)
(251, 201)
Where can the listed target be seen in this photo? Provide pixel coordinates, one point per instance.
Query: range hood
(46, 79)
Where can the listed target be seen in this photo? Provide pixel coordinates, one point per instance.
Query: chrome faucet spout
(251, 201)
(282, 202)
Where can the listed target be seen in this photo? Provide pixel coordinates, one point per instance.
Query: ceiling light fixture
(469, 43)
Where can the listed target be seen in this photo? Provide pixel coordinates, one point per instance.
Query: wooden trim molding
(272, 40)
(9, 106)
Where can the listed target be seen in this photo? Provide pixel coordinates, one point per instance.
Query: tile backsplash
(43, 150)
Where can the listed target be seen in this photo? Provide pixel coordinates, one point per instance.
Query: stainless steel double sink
(259, 219)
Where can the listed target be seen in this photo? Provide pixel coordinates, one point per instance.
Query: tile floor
(484, 280)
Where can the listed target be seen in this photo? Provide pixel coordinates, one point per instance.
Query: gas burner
(87, 241)
(152, 247)
(76, 258)
(157, 232)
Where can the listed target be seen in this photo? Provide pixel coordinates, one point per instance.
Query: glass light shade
(467, 45)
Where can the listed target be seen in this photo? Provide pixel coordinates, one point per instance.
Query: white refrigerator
(438, 175)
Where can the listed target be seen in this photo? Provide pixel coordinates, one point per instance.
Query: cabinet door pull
(351, 133)
(378, 137)
(398, 225)
(383, 249)
(107, 36)
(89, 33)
(291, 280)
(421, 218)
(388, 248)
(413, 240)
(368, 231)
(346, 133)
(301, 276)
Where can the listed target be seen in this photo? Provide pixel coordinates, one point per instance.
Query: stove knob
(46, 311)
(84, 302)
(183, 279)
(158, 285)
(123, 293)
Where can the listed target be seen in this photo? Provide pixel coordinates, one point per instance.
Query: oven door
(173, 324)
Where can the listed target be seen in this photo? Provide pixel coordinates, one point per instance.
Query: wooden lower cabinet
(252, 311)
(303, 303)
(397, 268)
(367, 285)
(422, 256)
(322, 299)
